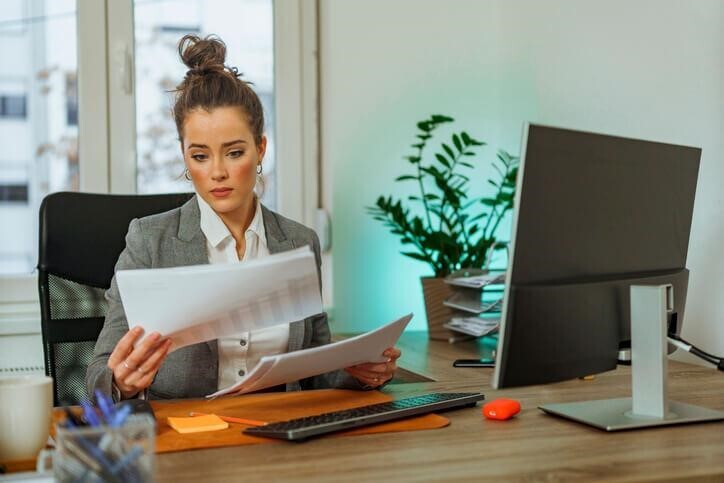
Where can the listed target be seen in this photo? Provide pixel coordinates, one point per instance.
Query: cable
(690, 348)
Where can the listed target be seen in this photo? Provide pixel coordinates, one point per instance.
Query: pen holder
(106, 453)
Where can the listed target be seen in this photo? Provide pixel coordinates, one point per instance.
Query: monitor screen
(593, 215)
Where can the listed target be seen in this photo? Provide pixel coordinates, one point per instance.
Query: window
(13, 192)
(117, 135)
(247, 28)
(71, 99)
(40, 146)
(13, 106)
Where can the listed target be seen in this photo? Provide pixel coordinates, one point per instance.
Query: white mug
(26, 409)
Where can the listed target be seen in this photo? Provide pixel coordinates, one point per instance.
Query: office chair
(81, 237)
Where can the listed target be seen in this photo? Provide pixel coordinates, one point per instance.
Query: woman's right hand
(134, 368)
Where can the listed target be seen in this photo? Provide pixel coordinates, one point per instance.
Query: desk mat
(274, 407)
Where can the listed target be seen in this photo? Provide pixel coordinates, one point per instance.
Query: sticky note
(197, 424)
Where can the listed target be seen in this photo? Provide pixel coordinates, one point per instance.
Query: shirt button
(241, 373)
(242, 342)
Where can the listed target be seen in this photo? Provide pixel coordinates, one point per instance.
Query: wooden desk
(531, 447)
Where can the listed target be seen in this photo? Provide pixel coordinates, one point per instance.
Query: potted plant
(449, 231)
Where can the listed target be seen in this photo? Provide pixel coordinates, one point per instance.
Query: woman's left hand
(374, 374)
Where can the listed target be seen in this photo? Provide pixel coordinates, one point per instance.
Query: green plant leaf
(407, 177)
(443, 160)
(457, 143)
(424, 126)
(439, 118)
(467, 165)
(448, 150)
(467, 140)
(416, 256)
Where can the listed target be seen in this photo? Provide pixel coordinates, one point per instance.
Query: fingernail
(136, 330)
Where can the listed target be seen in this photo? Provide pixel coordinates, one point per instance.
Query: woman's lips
(221, 192)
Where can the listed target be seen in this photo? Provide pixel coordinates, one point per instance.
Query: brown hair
(209, 84)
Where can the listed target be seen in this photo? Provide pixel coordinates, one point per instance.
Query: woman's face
(221, 157)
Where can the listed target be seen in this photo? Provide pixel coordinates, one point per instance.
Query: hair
(209, 84)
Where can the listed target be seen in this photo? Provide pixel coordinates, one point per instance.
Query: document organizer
(470, 301)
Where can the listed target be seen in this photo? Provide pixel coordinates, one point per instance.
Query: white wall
(644, 68)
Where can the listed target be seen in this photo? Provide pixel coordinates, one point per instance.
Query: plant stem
(422, 188)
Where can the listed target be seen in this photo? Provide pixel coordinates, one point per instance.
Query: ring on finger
(125, 363)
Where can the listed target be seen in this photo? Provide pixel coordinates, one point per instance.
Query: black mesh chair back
(81, 237)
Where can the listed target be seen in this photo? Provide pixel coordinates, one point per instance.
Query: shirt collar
(216, 231)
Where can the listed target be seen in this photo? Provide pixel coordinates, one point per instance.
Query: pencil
(229, 419)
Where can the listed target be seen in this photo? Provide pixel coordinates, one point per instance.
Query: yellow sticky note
(197, 424)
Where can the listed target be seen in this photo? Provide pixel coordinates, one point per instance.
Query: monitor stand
(649, 405)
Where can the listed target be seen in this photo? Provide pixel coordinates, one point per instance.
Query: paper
(293, 366)
(471, 303)
(474, 326)
(197, 424)
(204, 302)
(477, 281)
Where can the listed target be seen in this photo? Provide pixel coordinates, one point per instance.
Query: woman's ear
(261, 148)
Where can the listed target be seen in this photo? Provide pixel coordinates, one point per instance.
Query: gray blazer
(173, 239)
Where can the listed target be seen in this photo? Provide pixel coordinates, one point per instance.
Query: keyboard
(302, 428)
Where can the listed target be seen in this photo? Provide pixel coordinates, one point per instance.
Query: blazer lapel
(277, 241)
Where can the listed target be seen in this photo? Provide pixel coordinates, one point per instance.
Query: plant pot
(435, 291)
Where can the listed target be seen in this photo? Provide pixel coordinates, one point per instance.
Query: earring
(187, 175)
(258, 168)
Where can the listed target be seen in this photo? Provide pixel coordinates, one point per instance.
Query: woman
(220, 123)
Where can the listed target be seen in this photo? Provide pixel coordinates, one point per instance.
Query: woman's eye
(198, 157)
(236, 154)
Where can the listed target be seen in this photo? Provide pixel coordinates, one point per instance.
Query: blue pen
(89, 412)
(106, 406)
(120, 416)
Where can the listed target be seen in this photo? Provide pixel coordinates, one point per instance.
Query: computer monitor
(594, 214)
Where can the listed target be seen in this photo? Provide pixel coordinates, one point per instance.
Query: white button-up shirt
(239, 353)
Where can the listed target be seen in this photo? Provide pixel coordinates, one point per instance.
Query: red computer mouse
(501, 409)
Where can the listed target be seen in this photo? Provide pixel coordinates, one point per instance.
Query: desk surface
(532, 447)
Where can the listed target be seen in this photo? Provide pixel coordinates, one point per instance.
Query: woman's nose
(218, 171)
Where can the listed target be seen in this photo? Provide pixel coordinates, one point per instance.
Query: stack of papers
(293, 366)
(474, 326)
(477, 281)
(204, 302)
(472, 304)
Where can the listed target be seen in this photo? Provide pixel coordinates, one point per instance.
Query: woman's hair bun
(208, 53)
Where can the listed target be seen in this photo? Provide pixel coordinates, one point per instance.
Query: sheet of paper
(204, 302)
(474, 326)
(478, 281)
(293, 366)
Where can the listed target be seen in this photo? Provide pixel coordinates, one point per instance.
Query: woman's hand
(134, 368)
(374, 374)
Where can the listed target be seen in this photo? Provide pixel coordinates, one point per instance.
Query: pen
(106, 406)
(89, 413)
(120, 416)
(229, 419)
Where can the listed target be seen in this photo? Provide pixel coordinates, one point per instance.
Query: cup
(106, 453)
(26, 409)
